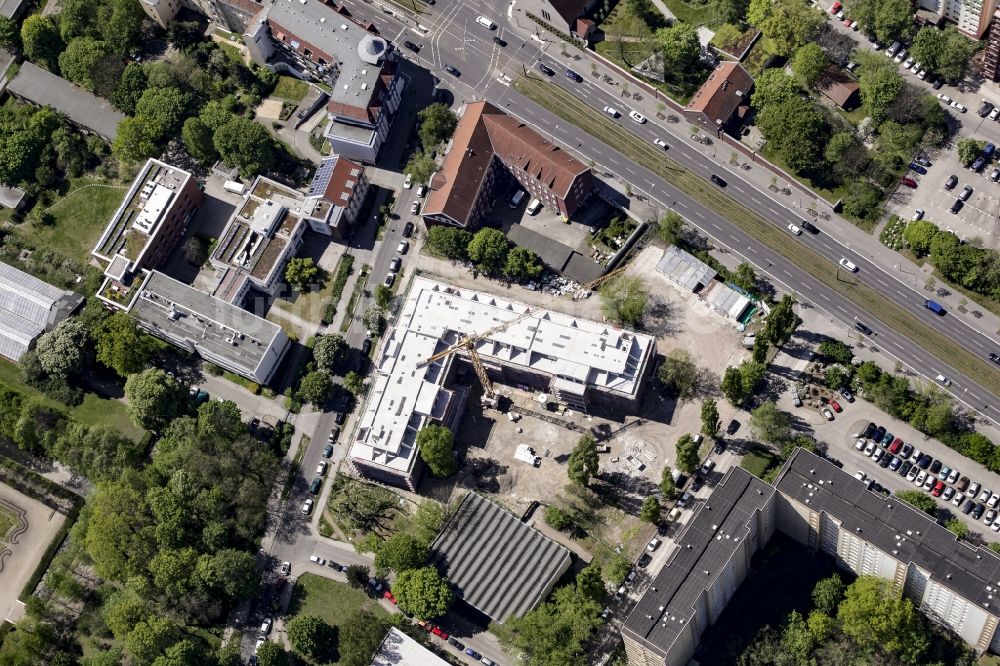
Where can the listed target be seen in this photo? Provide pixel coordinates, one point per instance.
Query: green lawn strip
(93, 411)
(694, 14)
(412, 6)
(291, 89)
(331, 600)
(592, 121)
(80, 217)
(758, 462)
(359, 287)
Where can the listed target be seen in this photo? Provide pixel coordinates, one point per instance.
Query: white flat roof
(435, 315)
(398, 649)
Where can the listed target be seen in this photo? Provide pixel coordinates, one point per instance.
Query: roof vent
(858, 530)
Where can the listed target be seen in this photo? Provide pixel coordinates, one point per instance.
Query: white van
(516, 200)
(486, 23)
(534, 206)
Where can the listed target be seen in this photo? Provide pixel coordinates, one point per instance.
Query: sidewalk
(893, 264)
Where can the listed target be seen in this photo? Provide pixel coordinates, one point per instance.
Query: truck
(526, 454)
(234, 187)
(934, 307)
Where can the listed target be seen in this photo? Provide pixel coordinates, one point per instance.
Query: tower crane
(468, 343)
(604, 278)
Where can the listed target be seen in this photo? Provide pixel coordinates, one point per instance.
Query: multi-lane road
(449, 35)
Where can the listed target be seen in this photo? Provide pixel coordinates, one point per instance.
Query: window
(546, 15)
(307, 53)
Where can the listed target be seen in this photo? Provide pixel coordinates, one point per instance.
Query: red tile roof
(726, 89)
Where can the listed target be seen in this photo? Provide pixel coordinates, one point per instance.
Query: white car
(408, 181)
(973, 488)
(944, 98)
(993, 500)
(870, 449)
(860, 476)
(929, 482)
(900, 56)
(321, 468)
(908, 62)
(918, 214)
(637, 117)
(991, 515)
(265, 627)
(912, 474)
(317, 559)
(958, 499)
(795, 230)
(260, 641)
(996, 525)
(995, 113)
(859, 445)
(984, 494)
(921, 477)
(944, 380)
(915, 68)
(922, 74)
(958, 106)
(660, 142)
(415, 207)
(307, 507)
(421, 190)
(848, 264)
(953, 476)
(403, 246)
(878, 454)
(611, 111)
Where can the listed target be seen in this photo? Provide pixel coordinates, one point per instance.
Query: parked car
(919, 169)
(887, 438)
(909, 182)
(952, 476)
(943, 474)
(906, 450)
(457, 643)
(307, 507)
(410, 45)
(948, 493)
(733, 426)
(965, 193)
(316, 559)
(403, 247)
(827, 414)
(611, 111)
(286, 568)
(958, 499)
(643, 560)
(452, 70)
(978, 511)
(951, 182)
(472, 653)
(407, 229)
(327, 451)
(936, 467)
(836, 407)
(938, 488)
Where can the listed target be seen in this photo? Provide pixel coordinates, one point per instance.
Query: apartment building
(577, 361)
(491, 151)
(825, 509)
(335, 197)
(232, 14)
(972, 17)
(321, 41)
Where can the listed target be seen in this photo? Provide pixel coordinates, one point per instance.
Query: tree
(774, 87)
(41, 41)
(808, 63)
(827, 594)
(771, 424)
(198, 141)
(760, 348)
(436, 444)
(195, 251)
(421, 166)
(670, 228)
(357, 576)
(131, 86)
(679, 374)
(312, 637)
(876, 617)
(583, 461)
(623, 300)
(957, 527)
(522, 264)
(679, 47)
(589, 583)
(329, 351)
(81, 58)
(302, 274)
(423, 592)
(835, 378)
(383, 295)
(745, 277)
(887, 20)
(316, 387)
(863, 201)
(151, 637)
(10, 34)
(399, 552)
(733, 387)
(555, 632)
(710, 423)
(121, 346)
(134, 141)
(788, 24)
(163, 110)
(919, 234)
(359, 638)
(184, 34)
(650, 510)
(63, 351)
(919, 500)
(968, 150)
(667, 485)
(154, 398)
(836, 351)
(448, 241)
(557, 518)
(246, 145)
(374, 318)
(878, 82)
(687, 454)
(488, 250)
(437, 124)
(954, 58)
(271, 654)
(797, 130)
(123, 28)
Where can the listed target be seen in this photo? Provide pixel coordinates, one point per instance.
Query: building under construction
(578, 362)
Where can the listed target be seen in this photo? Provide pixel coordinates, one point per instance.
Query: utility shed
(684, 269)
(497, 564)
(28, 308)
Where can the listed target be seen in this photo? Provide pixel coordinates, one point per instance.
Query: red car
(443, 635)
(938, 487)
(896, 444)
(836, 7)
(388, 595)
(909, 182)
(836, 406)
(848, 23)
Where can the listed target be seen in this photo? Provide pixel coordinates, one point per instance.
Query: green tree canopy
(135, 140)
(679, 374)
(399, 552)
(302, 274)
(423, 592)
(808, 63)
(773, 87)
(313, 638)
(316, 387)
(10, 34)
(246, 145)
(121, 346)
(359, 638)
(150, 637)
(41, 41)
(650, 510)
(357, 576)
(667, 485)
(969, 149)
(329, 351)
(797, 130)
(827, 594)
(624, 299)
(787, 23)
(919, 235)
(876, 617)
(554, 633)
(710, 423)
(679, 47)
(920, 500)
(198, 141)
(583, 461)
(374, 318)
(123, 28)
(770, 423)
(488, 250)
(81, 58)
(436, 445)
(451, 242)
(163, 110)
(154, 398)
(65, 350)
(687, 454)
(670, 227)
(887, 20)
(522, 264)
(879, 82)
(437, 124)
(271, 654)
(863, 201)
(733, 387)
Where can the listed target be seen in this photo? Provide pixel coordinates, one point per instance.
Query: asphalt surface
(454, 38)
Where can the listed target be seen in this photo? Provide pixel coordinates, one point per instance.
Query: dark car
(501, 42)
(685, 500)
(919, 169)
(887, 438)
(957, 206)
(951, 182)
(906, 450)
(985, 109)
(936, 467)
(884, 461)
(472, 653)
(968, 507)
(410, 45)
(644, 559)
(327, 451)
(339, 418)
(573, 76)
(924, 461)
(366, 346)
(457, 643)
(909, 182)
(335, 566)
(545, 69)
(861, 328)
(718, 181)
(869, 430)
(720, 446)
(696, 483)
(922, 160)
(452, 70)
(978, 164)
(977, 512)
(407, 229)
(846, 393)
(733, 426)
(905, 468)
(878, 434)
(662, 529)
(809, 226)
(995, 358)
(937, 84)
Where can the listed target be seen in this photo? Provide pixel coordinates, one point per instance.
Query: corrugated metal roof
(27, 307)
(496, 563)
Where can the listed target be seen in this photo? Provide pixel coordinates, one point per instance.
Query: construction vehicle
(468, 343)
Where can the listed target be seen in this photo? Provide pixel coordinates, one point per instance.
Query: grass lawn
(571, 109)
(830, 195)
(80, 218)
(854, 117)
(290, 88)
(758, 56)
(693, 12)
(331, 600)
(94, 410)
(309, 305)
(758, 462)
(6, 522)
(234, 53)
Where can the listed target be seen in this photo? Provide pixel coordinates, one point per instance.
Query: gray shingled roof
(84, 108)
(497, 564)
